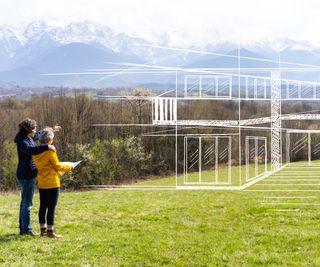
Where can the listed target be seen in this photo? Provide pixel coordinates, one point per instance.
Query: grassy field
(172, 228)
(208, 176)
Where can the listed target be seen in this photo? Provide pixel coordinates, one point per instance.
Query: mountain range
(39, 54)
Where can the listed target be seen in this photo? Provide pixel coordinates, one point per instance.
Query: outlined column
(164, 110)
(275, 120)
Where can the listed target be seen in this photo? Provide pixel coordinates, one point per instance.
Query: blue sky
(227, 19)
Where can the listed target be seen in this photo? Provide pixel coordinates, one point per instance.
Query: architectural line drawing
(229, 153)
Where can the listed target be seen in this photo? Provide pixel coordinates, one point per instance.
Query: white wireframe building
(238, 152)
(212, 155)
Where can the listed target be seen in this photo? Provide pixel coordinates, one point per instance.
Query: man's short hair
(46, 136)
(27, 125)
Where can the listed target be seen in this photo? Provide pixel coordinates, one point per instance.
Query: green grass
(166, 228)
(208, 176)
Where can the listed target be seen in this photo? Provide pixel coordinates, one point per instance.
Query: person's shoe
(43, 232)
(52, 234)
(31, 233)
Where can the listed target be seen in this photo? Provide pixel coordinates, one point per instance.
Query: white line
(231, 188)
(138, 125)
(302, 167)
(195, 70)
(295, 176)
(287, 184)
(184, 128)
(285, 209)
(135, 188)
(290, 203)
(303, 172)
(217, 69)
(282, 190)
(297, 171)
(166, 93)
(268, 174)
(294, 197)
(123, 97)
(227, 55)
(290, 180)
(205, 135)
(301, 175)
(306, 171)
(305, 164)
(175, 116)
(128, 186)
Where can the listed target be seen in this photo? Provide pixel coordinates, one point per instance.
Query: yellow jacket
(48, 166)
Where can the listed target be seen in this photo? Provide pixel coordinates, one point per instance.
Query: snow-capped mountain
(28, 50)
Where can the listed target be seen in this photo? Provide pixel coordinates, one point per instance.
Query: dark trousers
(48, 203)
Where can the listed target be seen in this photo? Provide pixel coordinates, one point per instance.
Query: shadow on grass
(9, 237)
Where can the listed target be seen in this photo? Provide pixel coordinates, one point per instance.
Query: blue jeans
(27, 191)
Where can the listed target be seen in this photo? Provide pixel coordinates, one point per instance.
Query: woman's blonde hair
(46, 136)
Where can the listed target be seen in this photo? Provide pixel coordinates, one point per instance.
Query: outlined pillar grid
(275, 120)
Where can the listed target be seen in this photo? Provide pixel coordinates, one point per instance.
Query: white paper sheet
(69, 163)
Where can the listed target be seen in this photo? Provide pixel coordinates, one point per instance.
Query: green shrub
(109, 162)
(9, 166)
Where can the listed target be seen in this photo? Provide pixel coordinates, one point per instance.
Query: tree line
(113, 155)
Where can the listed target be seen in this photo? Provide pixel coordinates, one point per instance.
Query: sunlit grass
(172, 228)
(237, 177)
(164, 228)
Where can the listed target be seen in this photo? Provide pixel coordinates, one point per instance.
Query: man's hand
(53, 148)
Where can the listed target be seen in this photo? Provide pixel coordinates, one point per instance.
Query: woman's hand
(56, 128)
(53, 148)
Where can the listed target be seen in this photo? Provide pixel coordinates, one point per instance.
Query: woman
(26, 171)
(49, 167)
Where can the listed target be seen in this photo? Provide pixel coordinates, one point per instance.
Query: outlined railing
(207, 86)
(164, 109)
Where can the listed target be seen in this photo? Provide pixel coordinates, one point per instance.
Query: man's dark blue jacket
(26, 148)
